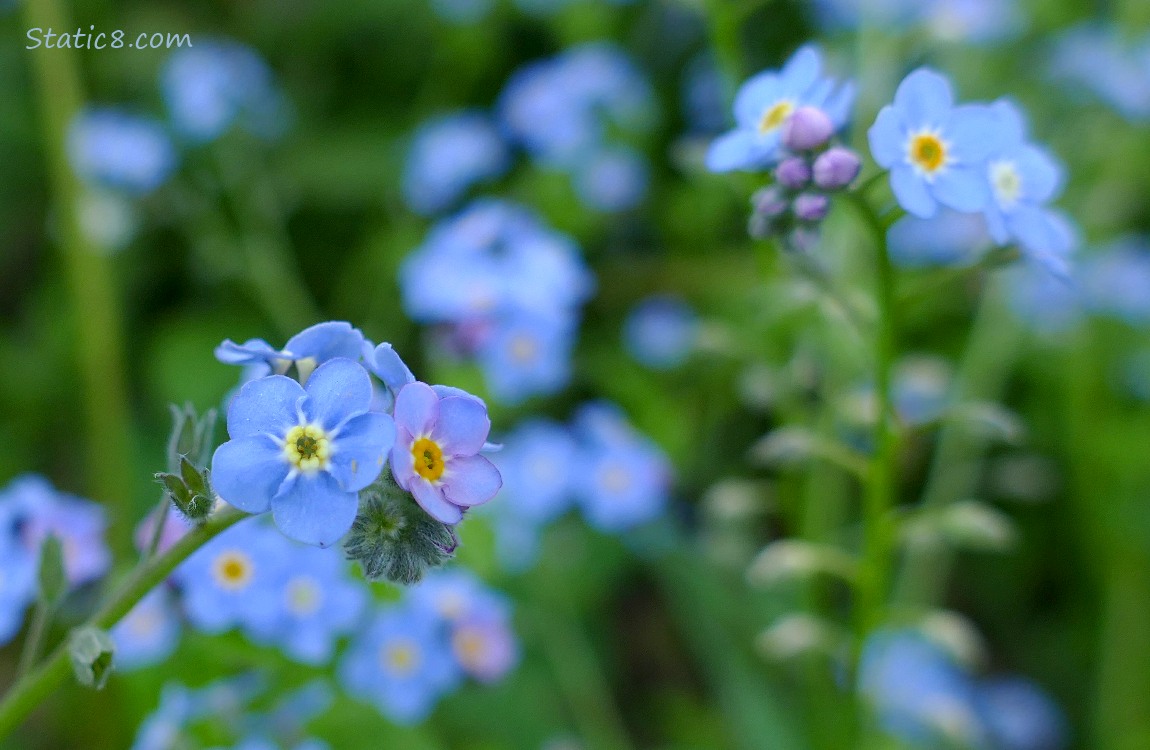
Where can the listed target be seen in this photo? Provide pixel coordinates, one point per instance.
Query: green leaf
(53, 581)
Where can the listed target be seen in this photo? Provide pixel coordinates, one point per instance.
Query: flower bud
(769, 202)
(806, 129)
(811, 207)
(836, 168)
(793, 173)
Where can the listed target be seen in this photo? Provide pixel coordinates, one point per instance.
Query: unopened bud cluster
(798, 201)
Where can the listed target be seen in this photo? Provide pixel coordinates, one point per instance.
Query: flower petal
(963, 188)
(266, 405)
(471, 480)
(416, 408)
(1041, 174)
(912, 193)
(247, 472)
(325, 341)
(886, 137)
(924, 97)
(802, 70)
(388, 366)
(361, 447)
(462, 427)
(759, 92)
(338, 389)
(402, 460)
(313, 509)
(974, 133)
(738, 149)
(431, 499)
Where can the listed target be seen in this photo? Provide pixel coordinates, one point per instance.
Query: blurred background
(302, 162)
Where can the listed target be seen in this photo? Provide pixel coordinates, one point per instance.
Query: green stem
(31, 690)
(582, 682)
(97, 334)
(879, 499)
(41, 615)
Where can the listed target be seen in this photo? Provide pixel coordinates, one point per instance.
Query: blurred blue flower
(702, 95)
(559, 108)
(162, 728)
(612, 179)
(400, 663)
(890, 15)
(660, 332)
(149, 633)
(1115, 281)
(436, 454)
(537, 463)
(318, 603)
(765, 102)
(1023, 178)
(1096, 58)
(219, 83)
(1047, 303)
(920, 388)
(917, 691)
(448, 155)
(936, 152)
(306, 350)
(621, 478)
(948, 238)
(32, 509)
(1019, 716)
(527, 355)
(972, 21)
(304, 452)
(17, 584)
(454, 595)
(233, 580)
(483, 642)
(112, 148)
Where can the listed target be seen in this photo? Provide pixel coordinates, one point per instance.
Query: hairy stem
(33, 688)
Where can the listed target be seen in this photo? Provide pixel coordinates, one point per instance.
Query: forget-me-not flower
(306, 350)
(436, 454)
(304, 452)
(448, 155)
(149, 633)
(936, 151)
(765, 102)
(115, 149)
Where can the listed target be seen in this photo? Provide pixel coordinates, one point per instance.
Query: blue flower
(35, 509)
(1023, 178)
(306, 350)
(660, 332)
(400, 663)
(622, 477)
(1115, 281)
(216, 84)
(612, 179)
(948, 238)
(233, 580)
(162, 729)
(936, 152)
(304, 453)
(1096, 58)
(17, 585)
(385, 363)
(537, 463)
(527, 355)
(114, 149)
(1048, 303)
(917, 691)
(454, 595)
(972, 21)
(436, 454)
(483, 642)
(1020, 716)
(765, 102)
(448, 155)
(318, 603)
(921, 385)
(149, 633)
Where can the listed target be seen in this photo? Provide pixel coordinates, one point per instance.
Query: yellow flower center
(1007, 182)
(307, 447)
(303, 595)
(523, 348)
(469, 644)
(927, 152)
(775, 115)
(233, 570)
(399, 657)
(428, 457)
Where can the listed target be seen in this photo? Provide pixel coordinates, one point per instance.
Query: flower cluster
(185, 717)
(921, 695)
(305, 447)
(507, 290)
(1104, 62)
(617, 477)
(31, 510)
(560, 112)
(971, 158)
(416, 651)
